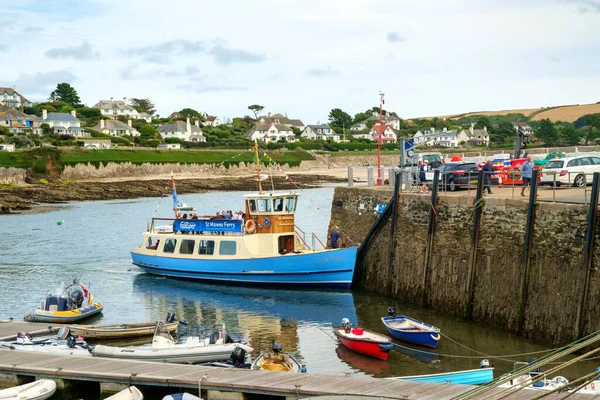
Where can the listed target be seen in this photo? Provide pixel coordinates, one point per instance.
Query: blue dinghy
(479, 376)
(411, 330)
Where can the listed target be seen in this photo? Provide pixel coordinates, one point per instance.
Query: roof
(55, 116)
(266, 127)
(380, 129)
(210, 118)
(11, 114)
(282, 120)
(114, 104)
(113, 124)
(319, 126)
(11, 91)
(178, 126)
(175, 114)
(144, 114)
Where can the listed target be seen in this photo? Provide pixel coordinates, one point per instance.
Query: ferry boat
(264, 248)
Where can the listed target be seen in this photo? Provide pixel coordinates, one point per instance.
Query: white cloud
(83, 52)
(39, 85)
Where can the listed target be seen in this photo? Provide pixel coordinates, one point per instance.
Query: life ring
(250, 226)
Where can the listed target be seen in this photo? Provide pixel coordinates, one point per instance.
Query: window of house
(227, 248)
(169, 246)
(206, 247)
(187, 246)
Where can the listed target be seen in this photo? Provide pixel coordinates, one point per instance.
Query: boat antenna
(257, 165)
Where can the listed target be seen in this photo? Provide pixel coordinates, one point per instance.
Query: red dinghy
(364, 341)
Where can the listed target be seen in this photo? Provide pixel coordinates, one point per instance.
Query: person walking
(423, 177)
(488, 171)
(526, 173)
(335, 237)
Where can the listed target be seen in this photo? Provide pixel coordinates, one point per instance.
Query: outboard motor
(76, 296)
(346, 325)
(391, 312)
(484, 364)
(170, 318)
(238, 357)
(71, 341)
(63, 333)
(277, 347)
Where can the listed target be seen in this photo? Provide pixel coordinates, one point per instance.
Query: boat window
(152, 243)
(206, 247)
(286, 244)
(227, 248)
(170, 245)
(252, 204)
(264, 205)
(187, 246)
(278, 204)
(290, 204)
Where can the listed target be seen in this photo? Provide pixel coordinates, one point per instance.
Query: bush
(39, 166)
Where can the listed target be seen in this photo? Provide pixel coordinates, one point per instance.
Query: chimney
(197, 123)
(432, 129)
(101, 124)
(485, 128)
(188, 127)
(445, 129)
(471, 127)
(129, 123)
(44, 114)
(73, 114)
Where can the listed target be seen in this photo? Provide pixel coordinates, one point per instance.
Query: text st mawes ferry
(264, 249)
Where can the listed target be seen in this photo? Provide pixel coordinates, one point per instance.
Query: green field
(24, 159)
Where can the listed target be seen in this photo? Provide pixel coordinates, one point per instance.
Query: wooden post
(350, 176)
(590, 235)
(526, 254)
(393, 232)
(369, 176)
(478, 208)
(430, 235)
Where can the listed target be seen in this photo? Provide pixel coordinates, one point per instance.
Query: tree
(504, 133)
(46, 129)
(67, 93)
(569, 134)
(483, 121)
(190, 112)
(547, 132)
(142, 105)
(339, 118)
(66, 109)
(592, 121)
(256, 109)
(359, 117)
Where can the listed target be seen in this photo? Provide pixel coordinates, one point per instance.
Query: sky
(305, 57)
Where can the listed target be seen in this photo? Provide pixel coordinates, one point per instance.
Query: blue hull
(428, 338)
(469, 377)
(332, 268)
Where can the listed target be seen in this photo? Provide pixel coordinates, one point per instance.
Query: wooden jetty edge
(97, 369)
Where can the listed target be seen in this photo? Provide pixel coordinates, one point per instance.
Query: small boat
(411, 330)
(73, 304)
(237, 359)
(364, 341)
(479, 376)
(38, 390)
(121, 331)
(277, 361)
(64, 343)
(131, 393)
(181, 396)
(164, 348)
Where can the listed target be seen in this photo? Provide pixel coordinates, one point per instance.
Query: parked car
(572, 171)
(458, 175)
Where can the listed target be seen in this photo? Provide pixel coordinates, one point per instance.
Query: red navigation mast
(380, 138)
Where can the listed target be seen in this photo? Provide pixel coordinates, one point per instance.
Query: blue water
(95, 239)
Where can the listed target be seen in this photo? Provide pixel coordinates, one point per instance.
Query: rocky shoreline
(16, 199)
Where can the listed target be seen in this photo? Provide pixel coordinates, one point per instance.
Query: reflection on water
(94, 242)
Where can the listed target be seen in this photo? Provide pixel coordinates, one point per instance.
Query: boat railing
(314, 239)
(209, 229)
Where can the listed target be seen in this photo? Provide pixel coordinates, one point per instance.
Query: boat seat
(214, 337)
(50, 302)
(52, 307)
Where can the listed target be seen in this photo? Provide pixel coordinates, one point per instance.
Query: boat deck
(97, 369)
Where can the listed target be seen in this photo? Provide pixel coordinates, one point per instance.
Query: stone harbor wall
(12, 176)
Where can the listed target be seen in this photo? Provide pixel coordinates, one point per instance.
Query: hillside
(567, 113)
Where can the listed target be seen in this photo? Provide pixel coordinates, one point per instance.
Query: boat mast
(257, 166)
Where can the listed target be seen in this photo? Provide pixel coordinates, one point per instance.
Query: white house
(18, 122)
(360, 126)
(7, 147)
(476, 136)
(169, 146)
(443, 138)
(320, 132)
(64, 123)
(387, 133)
(281, 119)
(97, 144)
(271, 133)
(388, 119)
(11, 98)
(115, 127)
(211, 120)
(523, 127)
(183, 130)
(114, 108)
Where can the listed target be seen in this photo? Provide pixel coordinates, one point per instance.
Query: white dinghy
(63, 343)
(131, 393)
(164, 348)
(38, 390)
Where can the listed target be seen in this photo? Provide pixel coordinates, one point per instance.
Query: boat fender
(391, 312)
(303, 370)
(436, 337)
(250, 226)
(385, 347)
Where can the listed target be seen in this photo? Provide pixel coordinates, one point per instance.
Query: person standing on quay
(526, 173)
(423, 176)
(488, 171)
(335, 237)
(380, 208)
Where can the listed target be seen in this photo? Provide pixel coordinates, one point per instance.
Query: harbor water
(92, 241)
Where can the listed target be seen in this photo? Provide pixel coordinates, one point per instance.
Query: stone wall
(12, 176)
(556, 269)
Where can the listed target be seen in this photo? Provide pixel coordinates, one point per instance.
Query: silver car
(571, 171)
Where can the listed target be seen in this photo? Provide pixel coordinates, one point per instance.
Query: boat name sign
(201, 225)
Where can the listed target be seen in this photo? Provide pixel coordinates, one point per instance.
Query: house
(443, 138)
(211, 120)
(13, 99)
(7, 147)
(271, 133)
(168, 146)
(97, 144)
(175, 115)
(386, 132)
(477, 137)
(523, 127)
(183, 130)
(115, 108)
(387, 118)
(320, 132)
(18, 122)
(63, 123)
(115, 127)
(280, 119)
(360, 126)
